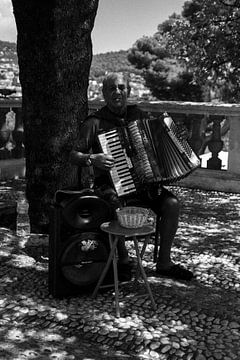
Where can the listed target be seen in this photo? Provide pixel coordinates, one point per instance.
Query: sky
(118, 24)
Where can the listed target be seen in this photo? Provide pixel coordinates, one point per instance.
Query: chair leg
(144, 246)
(141, 256)
(143, 273)
(156, 240)
(115, 274)
(110, 258)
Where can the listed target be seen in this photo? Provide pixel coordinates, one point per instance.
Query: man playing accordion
(87, 152)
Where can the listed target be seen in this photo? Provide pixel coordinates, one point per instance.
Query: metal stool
(115, 231)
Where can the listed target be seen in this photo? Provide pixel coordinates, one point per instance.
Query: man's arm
(80, 159)
(101, 160)
(82, 156)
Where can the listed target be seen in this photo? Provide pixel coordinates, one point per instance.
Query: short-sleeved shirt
(102, 121)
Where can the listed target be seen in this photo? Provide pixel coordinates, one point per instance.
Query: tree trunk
(54, 53)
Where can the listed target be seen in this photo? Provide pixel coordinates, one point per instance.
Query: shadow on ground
(197, 320)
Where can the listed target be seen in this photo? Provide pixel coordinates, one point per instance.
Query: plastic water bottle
(23, 223)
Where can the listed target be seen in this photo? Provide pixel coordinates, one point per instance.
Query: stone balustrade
(214, 131)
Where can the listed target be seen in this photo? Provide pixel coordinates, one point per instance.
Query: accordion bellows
(147, 151)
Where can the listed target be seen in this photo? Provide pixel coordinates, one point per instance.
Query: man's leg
(123, 257)
(169, 211)
(167, 206)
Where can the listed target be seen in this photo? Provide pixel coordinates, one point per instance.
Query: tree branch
(227, 4)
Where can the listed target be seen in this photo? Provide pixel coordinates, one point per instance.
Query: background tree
(206, 38)
(203, 42)
(203, 45)
(164, 74)
(54, 53)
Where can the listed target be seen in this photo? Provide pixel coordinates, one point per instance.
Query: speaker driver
(84, 258)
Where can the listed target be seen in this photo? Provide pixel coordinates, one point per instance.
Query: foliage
(146, 50)
(114, 61)
(204, 42)
(168, 81)
(165, 76)
(206, 38)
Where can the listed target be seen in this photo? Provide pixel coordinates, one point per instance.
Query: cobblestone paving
(197, 320)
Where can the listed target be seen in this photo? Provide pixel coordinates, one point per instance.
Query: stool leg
(115, 274)
(141, 256)
(143, 273)
(155, 254)
(110, 258)
(144, 245)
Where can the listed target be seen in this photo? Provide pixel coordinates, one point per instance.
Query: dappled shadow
(202, 313)
(33, 324)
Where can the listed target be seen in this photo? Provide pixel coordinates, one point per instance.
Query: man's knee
(170, 206)
(108, 194)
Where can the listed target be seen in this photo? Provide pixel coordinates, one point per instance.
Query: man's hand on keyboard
(102, 161)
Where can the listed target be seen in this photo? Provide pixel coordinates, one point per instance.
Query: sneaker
(177, 272)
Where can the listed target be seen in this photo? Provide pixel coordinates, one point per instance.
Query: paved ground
(197, 320)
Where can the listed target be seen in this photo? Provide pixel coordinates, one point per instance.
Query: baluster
(215, 144)
(197, 132)
(234, 145)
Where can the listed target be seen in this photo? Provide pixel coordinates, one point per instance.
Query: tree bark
(54, 53)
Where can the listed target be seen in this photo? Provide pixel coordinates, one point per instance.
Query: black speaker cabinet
(78, 250)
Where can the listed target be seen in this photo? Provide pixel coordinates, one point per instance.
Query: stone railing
(214, 135)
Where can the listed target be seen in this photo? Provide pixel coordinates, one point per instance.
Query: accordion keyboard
(121, 172)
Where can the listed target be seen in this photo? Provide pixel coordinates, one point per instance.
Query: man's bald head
(111, 77)
(116, 89)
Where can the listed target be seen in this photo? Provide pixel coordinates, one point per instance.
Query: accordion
(145, 152)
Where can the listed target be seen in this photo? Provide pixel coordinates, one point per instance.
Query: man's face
(115, 94)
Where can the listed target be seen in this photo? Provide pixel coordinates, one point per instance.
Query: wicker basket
(132, 217)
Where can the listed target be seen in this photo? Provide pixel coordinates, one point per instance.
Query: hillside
(115, 61)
